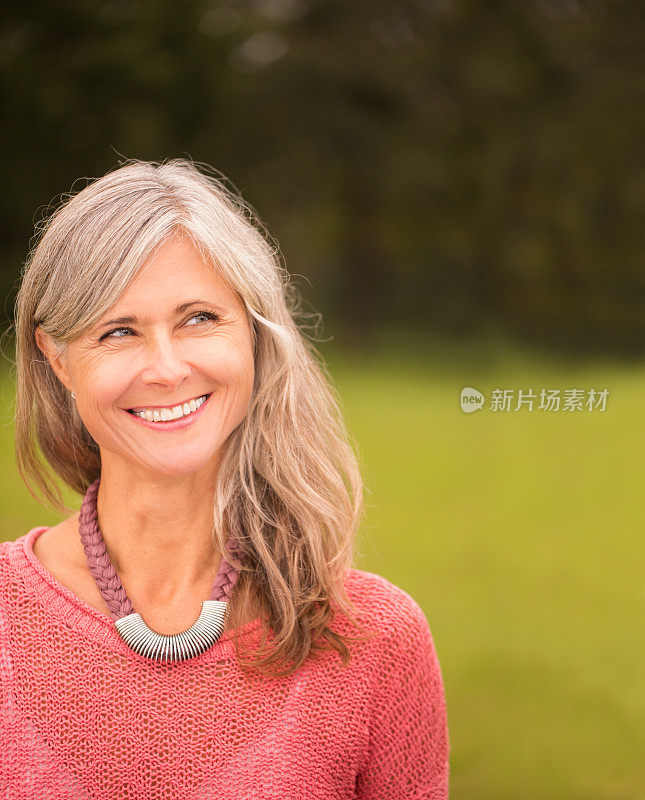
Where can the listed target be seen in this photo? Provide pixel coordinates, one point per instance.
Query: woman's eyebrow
(178, 310)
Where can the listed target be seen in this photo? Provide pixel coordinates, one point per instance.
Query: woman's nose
(166, 364)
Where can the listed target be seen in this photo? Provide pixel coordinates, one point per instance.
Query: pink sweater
(82, 716)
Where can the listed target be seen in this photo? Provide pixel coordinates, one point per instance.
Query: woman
(187, 633)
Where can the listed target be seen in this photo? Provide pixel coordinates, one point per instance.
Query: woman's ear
(57, 361)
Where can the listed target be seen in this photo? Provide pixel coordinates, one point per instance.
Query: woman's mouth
(172, 417)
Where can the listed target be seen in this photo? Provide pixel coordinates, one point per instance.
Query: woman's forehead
(177, 270)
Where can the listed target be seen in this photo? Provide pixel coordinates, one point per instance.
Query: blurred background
(457, 189)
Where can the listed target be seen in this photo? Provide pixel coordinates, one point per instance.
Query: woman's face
(163, 357)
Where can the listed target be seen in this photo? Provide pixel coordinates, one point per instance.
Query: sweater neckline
(80, 615)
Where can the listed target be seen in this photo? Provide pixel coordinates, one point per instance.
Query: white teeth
(167, 414)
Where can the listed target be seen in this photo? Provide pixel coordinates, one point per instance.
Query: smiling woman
(161, 374)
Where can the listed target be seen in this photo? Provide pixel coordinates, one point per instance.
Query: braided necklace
(201, 635)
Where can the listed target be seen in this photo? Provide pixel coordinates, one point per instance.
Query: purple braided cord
(105, 575)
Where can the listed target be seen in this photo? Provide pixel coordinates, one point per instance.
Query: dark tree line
(447, 166)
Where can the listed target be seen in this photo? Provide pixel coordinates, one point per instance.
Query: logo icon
(471, 399)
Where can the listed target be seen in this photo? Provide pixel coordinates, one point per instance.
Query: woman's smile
(195, 409)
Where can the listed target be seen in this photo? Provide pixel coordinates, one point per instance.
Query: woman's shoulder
(383, 605)
(10, 548)
(44, 544)
(13, 560)
(6, 549)
(403, 658)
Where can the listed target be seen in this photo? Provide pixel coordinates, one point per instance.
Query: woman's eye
(110, 334)
(204, 314)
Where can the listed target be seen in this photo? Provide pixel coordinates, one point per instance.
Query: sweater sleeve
(408, 730)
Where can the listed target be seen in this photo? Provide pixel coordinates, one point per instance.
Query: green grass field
(519, 533)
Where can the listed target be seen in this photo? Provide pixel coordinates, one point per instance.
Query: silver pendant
(201, 635)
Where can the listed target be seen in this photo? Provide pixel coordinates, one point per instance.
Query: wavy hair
(288, 486)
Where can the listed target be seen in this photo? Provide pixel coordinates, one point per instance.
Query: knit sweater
(83, 716)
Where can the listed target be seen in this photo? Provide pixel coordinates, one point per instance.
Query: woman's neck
(159, 536)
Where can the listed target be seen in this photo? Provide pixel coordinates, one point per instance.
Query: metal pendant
(201, 635)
